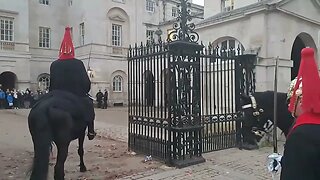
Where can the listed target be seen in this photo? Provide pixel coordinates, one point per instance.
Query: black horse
(258, 116)
(57, 117)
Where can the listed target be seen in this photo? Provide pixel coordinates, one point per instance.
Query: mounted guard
(301, 155)
(69, 74)
(63, 114)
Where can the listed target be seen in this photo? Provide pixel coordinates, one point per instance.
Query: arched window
(43, 82)
(227, 44)
(117, 84)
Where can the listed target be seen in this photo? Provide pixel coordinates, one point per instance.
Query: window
(174, 12)
(120, 1)
(44, 82)
(227, 5)
(44, 37)
(232, 44)
(116, 35)
(228, 44)
(149, 35)
(150, 5)
(82, 34)
(6, 29)
(224, 45)
(45, 2)
(117, 84)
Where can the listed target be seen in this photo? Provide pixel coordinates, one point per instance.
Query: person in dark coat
(99, 97)
(105, 99)
(69, 74)
(2, 99)
(301, 159)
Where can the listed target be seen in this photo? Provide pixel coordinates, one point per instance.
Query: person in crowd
(9, 100)
(99, 97)
(105, 99)
(2, 99)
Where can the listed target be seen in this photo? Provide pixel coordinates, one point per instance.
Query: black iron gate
(222, 74)
(187, 94)
(183, 98)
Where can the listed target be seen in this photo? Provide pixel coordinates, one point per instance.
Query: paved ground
(231, 164)
(105, 157)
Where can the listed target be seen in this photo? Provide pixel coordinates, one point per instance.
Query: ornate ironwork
(183, 98)
(219, 97)
(181, 29)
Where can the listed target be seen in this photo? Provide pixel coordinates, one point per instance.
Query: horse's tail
(41, 132)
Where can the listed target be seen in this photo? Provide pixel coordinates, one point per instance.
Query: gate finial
(182, 30)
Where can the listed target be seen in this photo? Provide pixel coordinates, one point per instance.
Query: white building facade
(102, 30)
(267, 28)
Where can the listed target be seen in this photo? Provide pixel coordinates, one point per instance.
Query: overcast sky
(200, 2)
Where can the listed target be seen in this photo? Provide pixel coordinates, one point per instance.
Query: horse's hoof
(83, 169)
(91, 135)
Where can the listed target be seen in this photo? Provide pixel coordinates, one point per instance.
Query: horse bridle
(257, 112)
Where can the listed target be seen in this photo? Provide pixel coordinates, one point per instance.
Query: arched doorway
(302, 40)
(149, 88)
(8, 80)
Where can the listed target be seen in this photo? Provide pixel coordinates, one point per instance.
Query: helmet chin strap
(296, 105)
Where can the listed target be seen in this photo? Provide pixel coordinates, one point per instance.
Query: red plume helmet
(66, 48)
(309, 77)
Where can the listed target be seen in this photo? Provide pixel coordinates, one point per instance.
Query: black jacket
(301, 159)
(69, 75)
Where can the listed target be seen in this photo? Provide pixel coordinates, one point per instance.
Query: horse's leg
(61, 158)
(81, 152)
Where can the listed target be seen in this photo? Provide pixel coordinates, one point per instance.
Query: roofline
(231, 15)
(238, 13)
(298, 16)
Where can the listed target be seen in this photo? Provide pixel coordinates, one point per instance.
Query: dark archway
(8, 80)
(298, 45)
(302, 40)
(149, 88)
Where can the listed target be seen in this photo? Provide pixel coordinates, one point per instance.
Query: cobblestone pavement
(230, 164)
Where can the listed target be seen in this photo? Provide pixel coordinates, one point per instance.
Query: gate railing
(183, 98)
(219, 94)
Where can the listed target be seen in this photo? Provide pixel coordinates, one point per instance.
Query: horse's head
(254, 118)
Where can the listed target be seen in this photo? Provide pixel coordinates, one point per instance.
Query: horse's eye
(261, 110)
